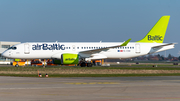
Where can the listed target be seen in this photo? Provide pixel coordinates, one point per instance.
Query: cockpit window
(9, 48)
(13, 48)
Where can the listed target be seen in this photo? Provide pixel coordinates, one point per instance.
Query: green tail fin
(157, 33)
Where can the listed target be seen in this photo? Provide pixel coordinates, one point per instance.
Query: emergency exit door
(73, 48)
(137, 48)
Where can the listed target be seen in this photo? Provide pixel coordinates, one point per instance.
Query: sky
(87, 20)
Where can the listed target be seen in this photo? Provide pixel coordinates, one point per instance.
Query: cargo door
(26, 48)
(137, 48)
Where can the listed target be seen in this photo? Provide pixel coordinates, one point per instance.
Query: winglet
(126, 42)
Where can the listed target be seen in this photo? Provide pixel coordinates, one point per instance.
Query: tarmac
(165, 88)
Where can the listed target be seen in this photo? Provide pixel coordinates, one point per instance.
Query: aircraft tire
(83, 64)
(16, 65)
(89, 64)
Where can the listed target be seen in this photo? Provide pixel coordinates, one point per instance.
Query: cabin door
(26, 48)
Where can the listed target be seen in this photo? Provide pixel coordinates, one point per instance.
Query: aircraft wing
(104, 49)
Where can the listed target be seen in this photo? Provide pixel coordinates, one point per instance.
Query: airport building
(5, 45)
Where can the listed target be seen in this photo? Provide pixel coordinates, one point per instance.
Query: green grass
(132, 67)
(58, 68)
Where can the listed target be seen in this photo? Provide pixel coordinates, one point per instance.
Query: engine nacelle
(68, 58)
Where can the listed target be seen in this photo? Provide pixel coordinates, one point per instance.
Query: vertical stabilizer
(157, 33)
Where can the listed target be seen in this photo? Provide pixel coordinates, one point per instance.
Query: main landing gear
(84, 64)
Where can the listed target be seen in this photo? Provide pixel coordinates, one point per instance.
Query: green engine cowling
(68, 58)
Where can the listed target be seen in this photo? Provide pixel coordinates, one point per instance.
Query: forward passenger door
(26, 48)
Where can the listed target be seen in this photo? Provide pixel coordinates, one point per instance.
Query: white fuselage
(47, 50)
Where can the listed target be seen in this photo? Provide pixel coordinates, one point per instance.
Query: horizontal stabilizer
(164, 45)
(160, 48)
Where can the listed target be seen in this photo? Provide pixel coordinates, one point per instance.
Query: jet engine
(67, 58)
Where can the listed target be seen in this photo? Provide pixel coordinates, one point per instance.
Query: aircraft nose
(5, 54)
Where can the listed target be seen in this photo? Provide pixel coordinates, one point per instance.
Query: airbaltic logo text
(48, 47)
(155, 38)
(70, 59)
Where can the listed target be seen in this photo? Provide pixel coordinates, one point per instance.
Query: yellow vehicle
(19, 62)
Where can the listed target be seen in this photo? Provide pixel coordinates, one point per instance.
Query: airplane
(83, 52)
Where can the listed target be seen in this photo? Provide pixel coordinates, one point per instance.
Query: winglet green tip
(126, 42)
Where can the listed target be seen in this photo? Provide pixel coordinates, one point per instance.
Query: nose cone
(5, 54)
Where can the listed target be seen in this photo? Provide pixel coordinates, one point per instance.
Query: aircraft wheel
(83, 64)
(16, 65)
(89, 64)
